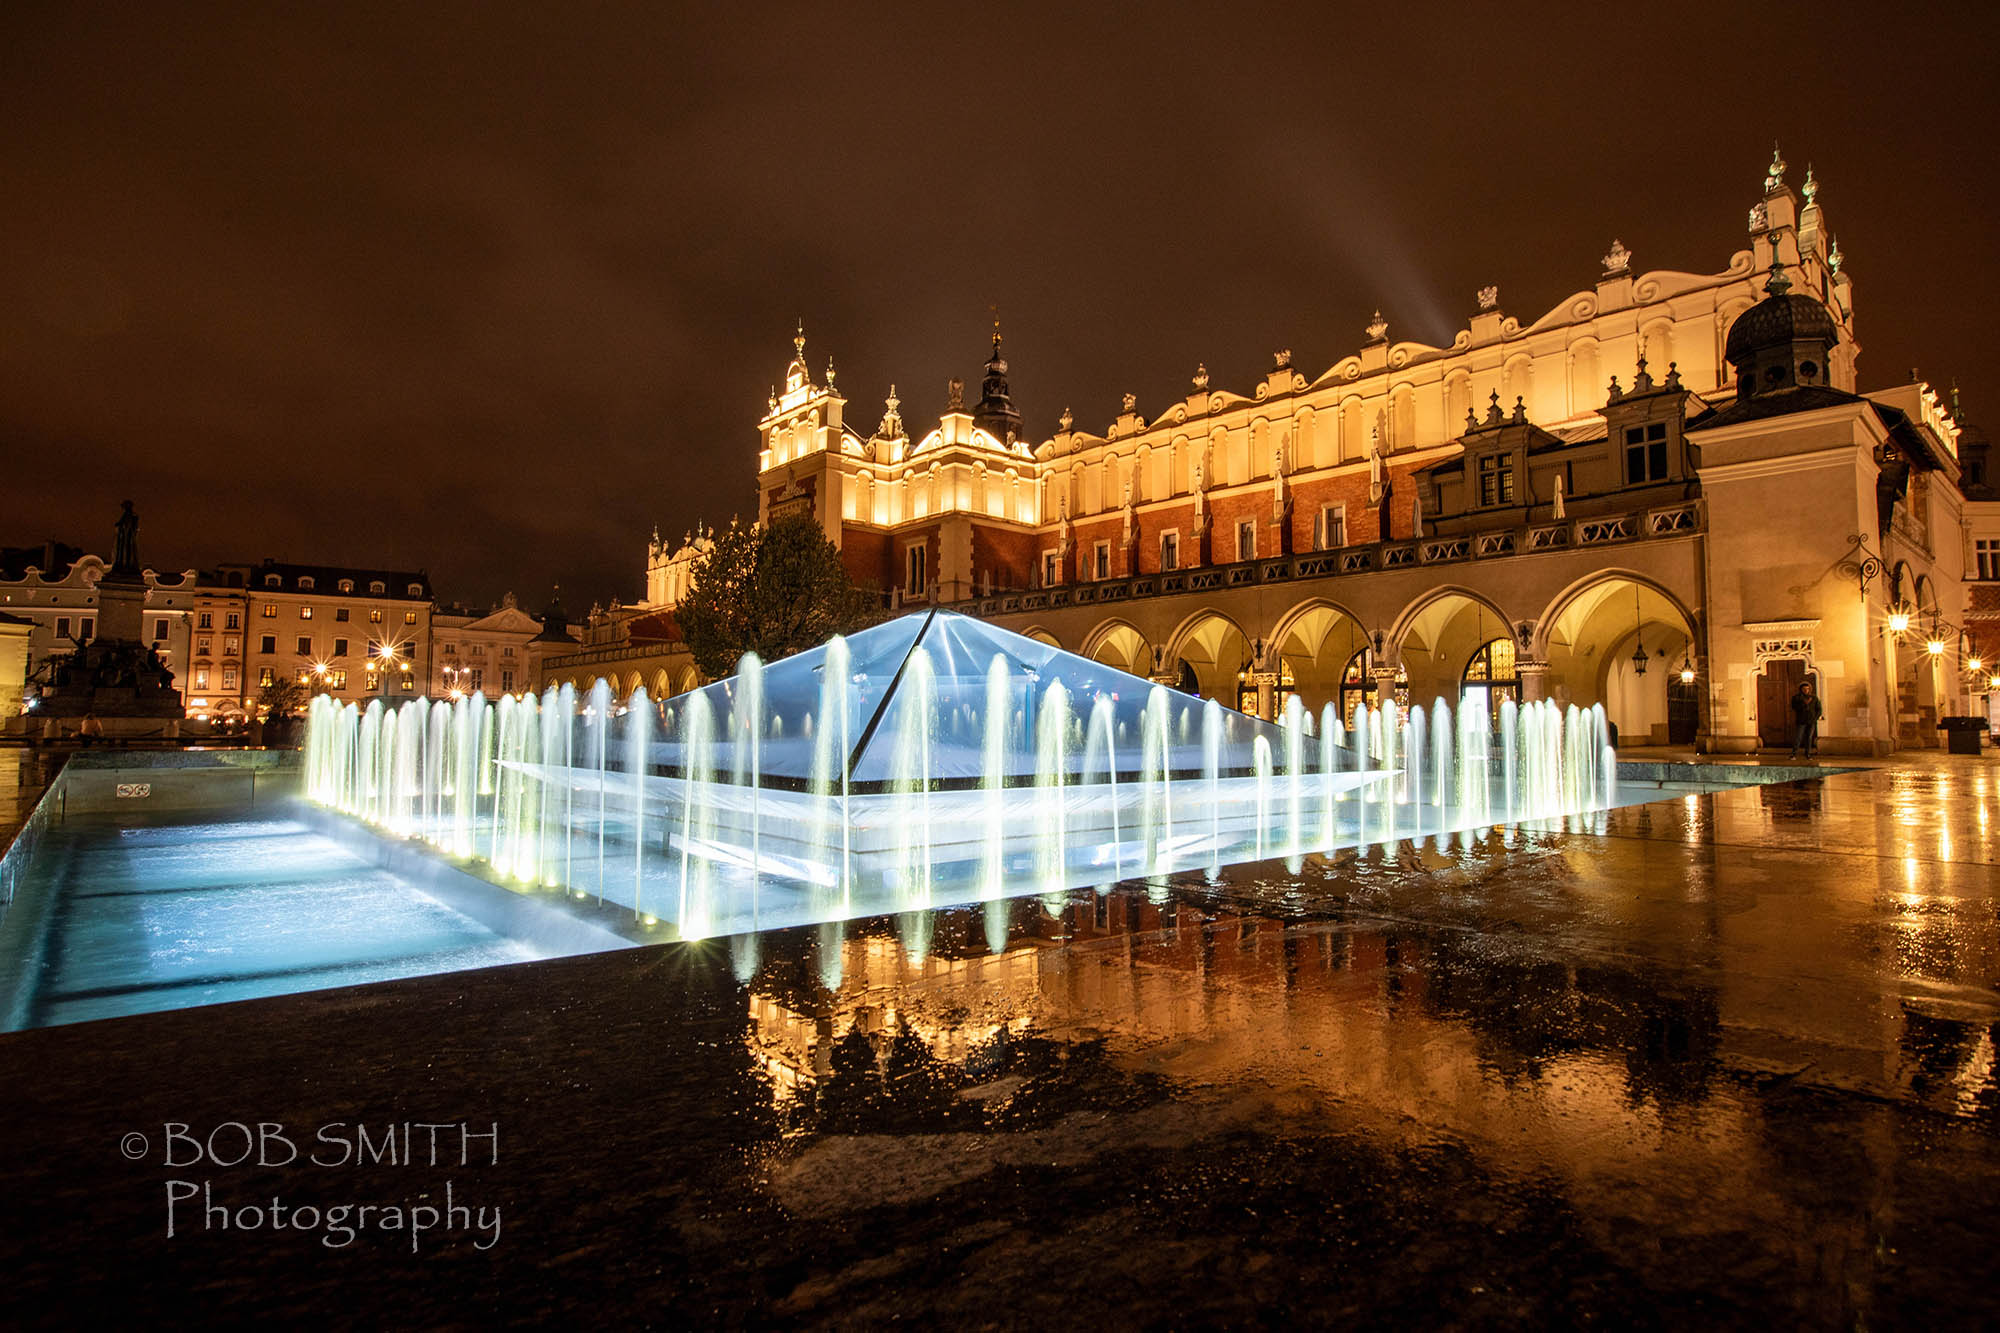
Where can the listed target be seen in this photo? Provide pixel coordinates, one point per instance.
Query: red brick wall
(868, 555)
(1007, 557)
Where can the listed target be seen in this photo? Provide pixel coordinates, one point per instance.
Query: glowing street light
(1899, 621)
(1935, 647)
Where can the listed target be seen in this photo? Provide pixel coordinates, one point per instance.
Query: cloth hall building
(1666, 494)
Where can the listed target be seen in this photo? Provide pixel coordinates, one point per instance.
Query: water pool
(116, 918)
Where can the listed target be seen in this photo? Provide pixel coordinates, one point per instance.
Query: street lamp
(1899, 620)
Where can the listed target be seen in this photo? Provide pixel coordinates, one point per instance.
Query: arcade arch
(1438, 637)
(1216, 651)
(1621, 641)
(1116, 644)
(1315, 642)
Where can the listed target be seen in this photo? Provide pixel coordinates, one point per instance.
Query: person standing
(1806, 713)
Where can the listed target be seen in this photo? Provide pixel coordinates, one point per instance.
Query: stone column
(1534, 680)
(1267, 693)
(1385, 684)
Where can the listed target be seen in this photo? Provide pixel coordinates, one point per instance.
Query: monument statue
(125, 551)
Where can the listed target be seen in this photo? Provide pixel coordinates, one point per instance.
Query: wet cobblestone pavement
(1723, 1059)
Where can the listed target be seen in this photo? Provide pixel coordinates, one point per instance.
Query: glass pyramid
(929, 682)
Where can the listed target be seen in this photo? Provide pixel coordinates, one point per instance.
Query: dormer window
(273, 581)
(305, 583)
(377, 587)
(416, 590)
(1496, 479)
(1645, 453)
(347, 585)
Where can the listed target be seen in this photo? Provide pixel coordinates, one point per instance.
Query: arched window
(1490, 679)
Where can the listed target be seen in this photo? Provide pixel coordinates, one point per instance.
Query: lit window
(375, 616)
(270, 610)
(229, 678)
(347, 585)
(266, 676)
(1986, 558)
(409, 617)
(201, 680)
(1496, 479)
(202, 646)
(305, 613)
(336, 679)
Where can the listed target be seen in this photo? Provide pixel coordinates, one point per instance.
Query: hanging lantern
(1639, 662)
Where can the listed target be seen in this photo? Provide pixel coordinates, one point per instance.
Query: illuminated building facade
(350, 633)
(57, 597)
(497, 651)
(1664, 494)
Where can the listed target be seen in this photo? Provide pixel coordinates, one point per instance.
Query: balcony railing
(1667, 521)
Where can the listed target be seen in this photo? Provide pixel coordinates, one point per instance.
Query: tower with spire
(996, 413)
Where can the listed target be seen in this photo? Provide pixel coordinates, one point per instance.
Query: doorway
(1775, 689)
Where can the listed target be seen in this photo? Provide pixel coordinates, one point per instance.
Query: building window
(340, 647)
(1101, 560)
(918, 579)
(206, 620)
(340, 614)
(409, 617)
(508, 651)
(273, 581)
(409, 682)
(506, 682)
(1330, 527)
(305, 583)
(305, 645)
(1246, 539)
(201, 680)
(305, 613)
(1170, 552)
(268, 644)
(347, 585)
(232, 621)
(89, 626)
(270, 610)
(1496, 479)
(378, 587)
(231, 647)
(450, 650)
(1986, 558)
(477, 675)
(159, 630)
(1646, 454)
(1490, 679)
(62, 627)
(477, 650)
(1051, 569)
(416, 590)
(201, 647)
(375, 616)
(266, 676)
(336, 679)
(229, 678)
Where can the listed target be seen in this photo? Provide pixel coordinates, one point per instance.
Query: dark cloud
(493, 289)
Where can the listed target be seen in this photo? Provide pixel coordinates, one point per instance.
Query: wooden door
(1775, 689)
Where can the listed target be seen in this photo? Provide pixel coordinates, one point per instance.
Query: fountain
(930, 760)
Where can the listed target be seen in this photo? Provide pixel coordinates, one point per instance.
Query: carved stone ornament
(1282, 359)
(1065, 421)
(1201, 378)
(1617, 259)
(1131, 403)
(1760, 218)
(1489, 298)
(954, 396)
(1774, 175)
(1378, 328)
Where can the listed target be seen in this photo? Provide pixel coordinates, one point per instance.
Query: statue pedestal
(121, 608)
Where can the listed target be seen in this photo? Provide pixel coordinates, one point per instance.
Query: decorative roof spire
(1774, 175)
(1673, 374)
(1834, 257)
(799, 342)
(892, 419)
(1201, 377)
(1617, 259)
(1493, 406)
(1811, 188)
(1066, 420)
(1378, 328)
(1642, 382)
(829, 373)
(1779, 283)
(1520, 409)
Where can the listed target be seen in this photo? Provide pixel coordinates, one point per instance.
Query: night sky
(492, 289)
